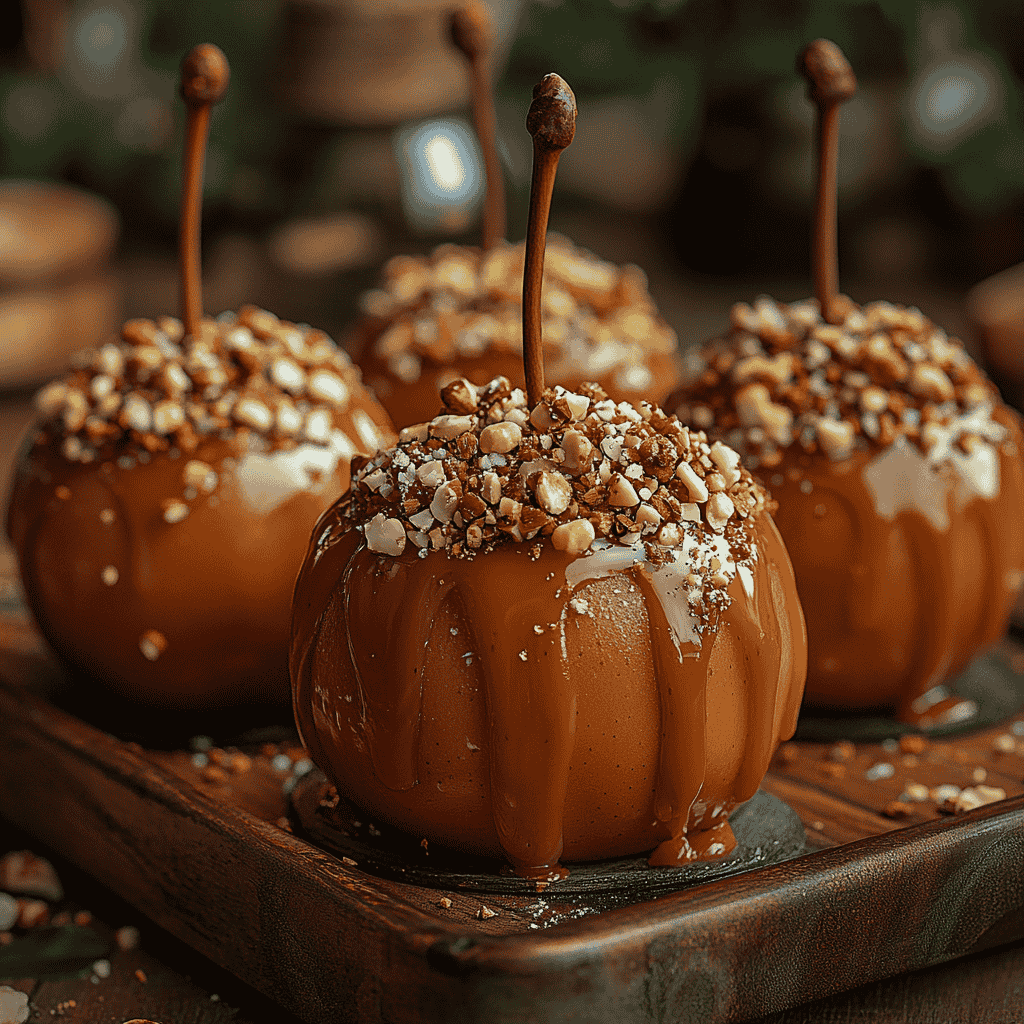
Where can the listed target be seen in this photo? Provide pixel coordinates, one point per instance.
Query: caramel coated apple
(161, 510)
(899, 477)
(566, 632)
(458, 313)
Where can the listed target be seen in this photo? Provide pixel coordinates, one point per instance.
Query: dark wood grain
(335, 944)
(980, 989)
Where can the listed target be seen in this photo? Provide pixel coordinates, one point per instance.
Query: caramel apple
(548, 627)
(161, 507)
(896, 466)
(458, 311)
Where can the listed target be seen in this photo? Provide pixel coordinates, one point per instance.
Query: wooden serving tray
(206, 852)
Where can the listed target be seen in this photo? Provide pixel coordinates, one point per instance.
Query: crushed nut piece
(898, 809)
(782, 377)
(25, 874)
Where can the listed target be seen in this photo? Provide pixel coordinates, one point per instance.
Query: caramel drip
(515, 610)
(762, 672)
(682, 693)
(531, 707)
(389, 673)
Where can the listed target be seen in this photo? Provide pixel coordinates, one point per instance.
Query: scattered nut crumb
(32, 913)
(916, 791)
(789, 753)
(24, 873)
(913, 744)
(940, 794)
(213, 774)
(445, 902)
(897, 809)
(842, 751)
(1004, 743)
(485, 912)
(13, 1005)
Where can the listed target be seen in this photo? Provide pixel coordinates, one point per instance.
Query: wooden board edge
(768, 940)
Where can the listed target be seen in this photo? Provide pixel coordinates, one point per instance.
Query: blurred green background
(693, 123)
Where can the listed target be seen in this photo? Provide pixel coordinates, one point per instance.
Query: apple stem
(204, 80)
(471, 33)
(552, 123)
(830, 82)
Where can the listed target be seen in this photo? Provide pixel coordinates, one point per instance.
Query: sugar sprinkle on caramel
(575, 469)
(783, 377)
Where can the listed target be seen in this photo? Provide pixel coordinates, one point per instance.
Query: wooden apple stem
(830, 82)
(552, 123)
(471, 33)
(204, 80)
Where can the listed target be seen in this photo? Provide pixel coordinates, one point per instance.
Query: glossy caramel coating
(161, 564)
(507, 761)
(899, 477)
(537, 704)
(897, 605)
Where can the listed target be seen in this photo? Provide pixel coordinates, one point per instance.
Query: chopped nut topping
(154, 389)
(534, 474)
(783, 377)
(458, 302)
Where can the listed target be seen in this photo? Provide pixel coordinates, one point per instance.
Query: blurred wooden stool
(377, 62)
(57, 293)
